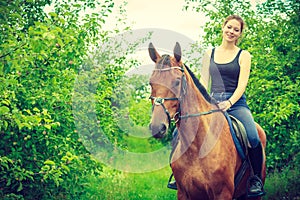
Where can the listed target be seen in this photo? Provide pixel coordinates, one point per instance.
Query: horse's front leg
(224, 195)
(226, 192)
(181, 195)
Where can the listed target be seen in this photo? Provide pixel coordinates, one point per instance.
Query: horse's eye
(176, 83)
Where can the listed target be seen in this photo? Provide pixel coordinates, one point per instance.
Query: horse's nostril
(158, 131)
(163, 128)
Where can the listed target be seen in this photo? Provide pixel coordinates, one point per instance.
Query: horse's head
(167, 85)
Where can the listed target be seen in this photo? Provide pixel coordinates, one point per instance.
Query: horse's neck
(193, 129)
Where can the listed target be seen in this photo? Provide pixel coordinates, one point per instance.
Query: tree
(41, 156)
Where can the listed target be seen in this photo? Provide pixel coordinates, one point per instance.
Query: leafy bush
(284, 184)
(40, 150)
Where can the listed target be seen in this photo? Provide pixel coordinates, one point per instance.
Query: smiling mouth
(230, 36)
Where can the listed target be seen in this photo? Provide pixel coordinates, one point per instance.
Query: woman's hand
(224, 105)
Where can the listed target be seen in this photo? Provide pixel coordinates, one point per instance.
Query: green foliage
(41, 156)
(138, 105)
(22, 14)
(275, 74)
(284, 184)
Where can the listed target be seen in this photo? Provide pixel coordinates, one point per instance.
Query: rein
(159, 101)
(199, 114)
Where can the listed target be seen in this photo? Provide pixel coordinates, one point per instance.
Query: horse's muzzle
(158, 131)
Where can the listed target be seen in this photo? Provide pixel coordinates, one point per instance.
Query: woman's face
(232, 30)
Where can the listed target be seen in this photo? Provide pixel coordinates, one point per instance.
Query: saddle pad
(240, 132)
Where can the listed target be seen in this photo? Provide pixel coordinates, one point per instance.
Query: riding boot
(255, 187)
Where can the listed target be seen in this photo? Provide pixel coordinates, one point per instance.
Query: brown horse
(205, 160)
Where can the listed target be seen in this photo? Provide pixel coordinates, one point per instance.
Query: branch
(2, 56)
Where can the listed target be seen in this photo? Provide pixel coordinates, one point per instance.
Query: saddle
(241, 142)
(240, 133)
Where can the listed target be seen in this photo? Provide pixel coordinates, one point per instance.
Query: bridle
(159, 101)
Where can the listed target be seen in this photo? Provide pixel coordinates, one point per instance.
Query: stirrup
(257, 193)
(252, 195)
(172, 184)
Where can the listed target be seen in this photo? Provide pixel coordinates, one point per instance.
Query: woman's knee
(251, 132)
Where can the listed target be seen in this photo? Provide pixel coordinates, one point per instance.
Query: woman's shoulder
(245, 57)
(245, 53)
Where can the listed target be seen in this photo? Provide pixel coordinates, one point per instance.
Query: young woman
(227, 69)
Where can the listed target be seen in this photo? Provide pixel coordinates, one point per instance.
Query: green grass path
(130, 186)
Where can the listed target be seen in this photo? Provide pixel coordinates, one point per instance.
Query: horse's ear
(153, 53)
(177, 52)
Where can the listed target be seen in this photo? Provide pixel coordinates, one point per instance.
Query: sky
(160, 14)
(164, 14)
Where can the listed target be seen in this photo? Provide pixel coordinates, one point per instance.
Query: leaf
(49, 162)
(4, 110)
(66, 168)
(48, 35)
(5, 125)
(77, 5)
(52, 14)
(5, 102)
(36, 109)
(47, 126)
(8, 182)
(20, 187)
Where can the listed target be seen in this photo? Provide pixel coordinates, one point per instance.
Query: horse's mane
(165, 61)
(200, 87)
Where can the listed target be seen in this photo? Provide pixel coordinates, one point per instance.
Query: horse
(204, 160)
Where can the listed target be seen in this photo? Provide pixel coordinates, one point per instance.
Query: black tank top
(224, 77)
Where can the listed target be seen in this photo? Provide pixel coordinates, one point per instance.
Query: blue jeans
(241, 111)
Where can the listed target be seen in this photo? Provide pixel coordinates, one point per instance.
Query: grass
(152, 186)
(114, 185)
(120, 186)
